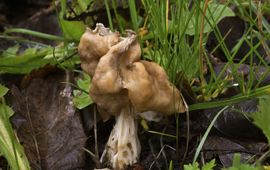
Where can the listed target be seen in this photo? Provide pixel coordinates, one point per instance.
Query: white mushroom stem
(123, 147)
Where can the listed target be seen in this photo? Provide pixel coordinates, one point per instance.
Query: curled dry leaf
(123, 85)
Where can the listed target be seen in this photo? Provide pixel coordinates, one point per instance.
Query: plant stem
(203, 82)
(96, 140)
(34, 33)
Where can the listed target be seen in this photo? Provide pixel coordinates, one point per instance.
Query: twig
(201, 42)
(48, 10)
(33, 134)
(161, 150)
(260, 26)
(96, 141)
(155, 157)
(93, 156)
(263, 157)
(161, 144)
(188, 129)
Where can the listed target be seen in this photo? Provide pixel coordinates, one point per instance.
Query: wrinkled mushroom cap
(120, 79)
(158, 93)
(95, 44)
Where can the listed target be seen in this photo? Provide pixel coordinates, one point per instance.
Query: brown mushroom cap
(150, 90)
(93, 45)
(120, 79)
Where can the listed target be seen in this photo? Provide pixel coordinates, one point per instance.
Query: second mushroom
(124, 85)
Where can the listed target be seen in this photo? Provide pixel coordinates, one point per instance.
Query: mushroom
(124, 85)
(97, 41)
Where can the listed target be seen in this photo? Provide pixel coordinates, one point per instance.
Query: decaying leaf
(52, 134)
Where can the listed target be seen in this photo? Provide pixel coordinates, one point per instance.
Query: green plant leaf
(10, 148)
(214, 14)
(262, 117)
(84, 4)
(194, 166)
(237, 165)
(209, 165)
(72, 30)
(81, 98)
(33, 58)
(11, 51)
(171, 165)
(3, 90)
(27, 61)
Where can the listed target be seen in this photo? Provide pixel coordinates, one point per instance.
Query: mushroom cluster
(124, 85)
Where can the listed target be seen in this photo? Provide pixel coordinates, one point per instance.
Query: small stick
(96, 142)
(188, 128)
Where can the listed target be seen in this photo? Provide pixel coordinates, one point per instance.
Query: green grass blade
(107, 6)
(238, 98)
(34, 33)
(133, 14)
(10, 148)
(162, 134)
(199, 148)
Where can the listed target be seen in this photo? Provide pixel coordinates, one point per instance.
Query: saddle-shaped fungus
(122, 86)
